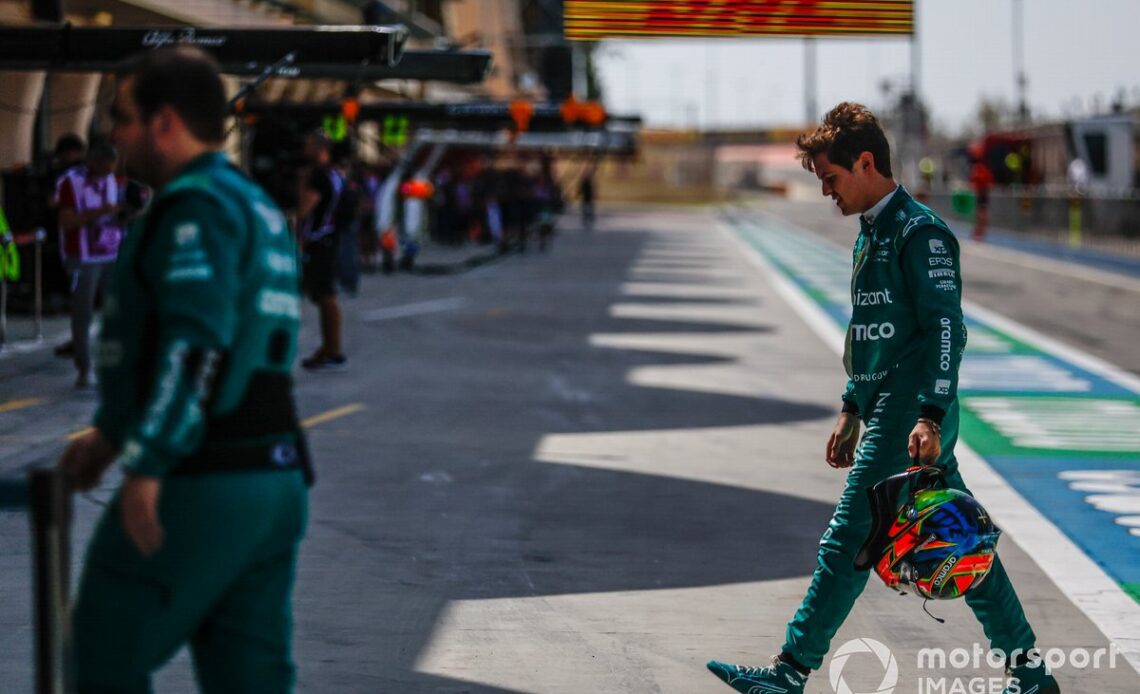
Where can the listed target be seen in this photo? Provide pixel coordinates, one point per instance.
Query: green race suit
(904, 346)
(198, 340)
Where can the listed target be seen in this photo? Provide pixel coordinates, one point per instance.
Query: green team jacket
(200, 323)
(906, 320)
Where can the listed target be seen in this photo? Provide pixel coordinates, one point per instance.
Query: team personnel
(89, 201)
(317, 232)
(982, 179)
(904, 346)
(69, 152)
(196, 409)
(586, 196)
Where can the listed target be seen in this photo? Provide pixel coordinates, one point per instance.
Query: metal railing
(11, 272)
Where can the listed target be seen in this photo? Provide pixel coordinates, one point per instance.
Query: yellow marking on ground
(13, 405)
(331, 415)
(76, 434)
(308, 423)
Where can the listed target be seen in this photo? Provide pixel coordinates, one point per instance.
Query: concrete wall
(497, 26)
(72, 101)
(22, 92)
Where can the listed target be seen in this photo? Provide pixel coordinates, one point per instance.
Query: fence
(1102, 218)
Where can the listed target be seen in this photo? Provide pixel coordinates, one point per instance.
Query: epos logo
(876, 648)
(861, 332)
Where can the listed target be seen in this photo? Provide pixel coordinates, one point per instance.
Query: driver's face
(130, 134)
(845, 186)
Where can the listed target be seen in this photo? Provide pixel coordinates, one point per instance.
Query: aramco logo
(856, 646)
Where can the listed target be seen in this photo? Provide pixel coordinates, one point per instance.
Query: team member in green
(196, 408)
(904, 346)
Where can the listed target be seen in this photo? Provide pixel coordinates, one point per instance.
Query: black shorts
(983, 198)
(318, 268)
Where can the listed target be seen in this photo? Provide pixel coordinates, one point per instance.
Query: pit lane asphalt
(584, 471)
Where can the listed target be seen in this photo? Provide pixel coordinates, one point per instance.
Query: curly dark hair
(847, 131)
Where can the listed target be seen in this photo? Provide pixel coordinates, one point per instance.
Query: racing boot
(1027, 679)
(777, 678)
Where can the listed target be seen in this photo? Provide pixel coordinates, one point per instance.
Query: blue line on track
(1096, 531)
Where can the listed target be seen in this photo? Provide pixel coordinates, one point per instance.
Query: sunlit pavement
(589, 470)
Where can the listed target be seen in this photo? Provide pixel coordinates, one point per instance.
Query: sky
(1076, 53)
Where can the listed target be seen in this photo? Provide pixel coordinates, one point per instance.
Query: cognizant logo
(855, 646)
(882, 296)
(872, 331)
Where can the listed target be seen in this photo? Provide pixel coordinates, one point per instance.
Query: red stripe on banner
(737, 18)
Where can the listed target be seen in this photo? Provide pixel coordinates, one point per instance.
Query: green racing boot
(1032, 680)
(777, 678)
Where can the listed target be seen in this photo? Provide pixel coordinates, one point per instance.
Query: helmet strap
(937, 619)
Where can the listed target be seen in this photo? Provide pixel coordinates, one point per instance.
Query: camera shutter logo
(879, 650)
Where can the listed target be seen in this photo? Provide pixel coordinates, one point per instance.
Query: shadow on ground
(438, 497)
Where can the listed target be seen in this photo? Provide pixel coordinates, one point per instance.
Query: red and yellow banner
(592, 21)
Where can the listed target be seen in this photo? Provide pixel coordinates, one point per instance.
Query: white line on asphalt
(698, 313)
(702, 271)
(31, 345)
(685, 291)
(1050, 346)
(1057, 267)
(816, 319)
(418, 308)
(1082, 581)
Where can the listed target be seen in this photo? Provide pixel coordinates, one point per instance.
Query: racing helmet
(939, 541)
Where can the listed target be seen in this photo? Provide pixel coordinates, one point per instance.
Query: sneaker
(1027, 679)
(777, 678)
(324, 362)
